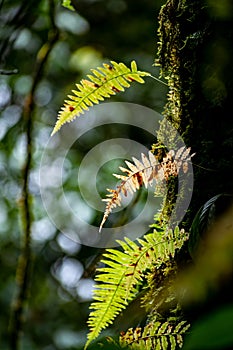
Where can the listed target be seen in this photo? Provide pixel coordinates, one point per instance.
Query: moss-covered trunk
(195, 55)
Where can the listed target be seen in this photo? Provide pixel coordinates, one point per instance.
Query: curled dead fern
(118, 282)
(144, 173)
(104, 82)
(156, 335)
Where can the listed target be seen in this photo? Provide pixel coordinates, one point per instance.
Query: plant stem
(23, 272)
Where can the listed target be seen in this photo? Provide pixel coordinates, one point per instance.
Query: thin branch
(24, 264)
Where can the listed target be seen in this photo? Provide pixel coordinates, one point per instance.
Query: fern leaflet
(156, 335)
(68, 5)
(104, 82)
(145, 172)
(119, 281)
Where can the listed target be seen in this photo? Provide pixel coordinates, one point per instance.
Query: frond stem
(157, 79)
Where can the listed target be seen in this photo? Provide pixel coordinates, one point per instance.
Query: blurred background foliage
(101, 30)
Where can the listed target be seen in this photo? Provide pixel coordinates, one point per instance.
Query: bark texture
(195, 55)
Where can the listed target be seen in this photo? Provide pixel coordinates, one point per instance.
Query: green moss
(181, 32)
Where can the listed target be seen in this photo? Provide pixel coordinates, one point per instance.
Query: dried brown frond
(144, 172)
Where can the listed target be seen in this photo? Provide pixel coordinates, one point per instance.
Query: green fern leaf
(104, 82)
(155, 336)
(118, 282)
(67, 4)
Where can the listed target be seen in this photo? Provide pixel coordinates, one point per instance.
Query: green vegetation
(160, 291)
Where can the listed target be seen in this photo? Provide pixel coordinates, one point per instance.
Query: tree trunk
(195, 54)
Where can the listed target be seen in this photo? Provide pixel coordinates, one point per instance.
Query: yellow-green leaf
(104, 82)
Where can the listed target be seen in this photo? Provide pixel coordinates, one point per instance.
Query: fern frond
(119, 280)
(145, 172)
(102, 83)
(156, 335)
